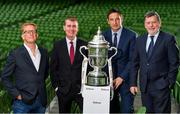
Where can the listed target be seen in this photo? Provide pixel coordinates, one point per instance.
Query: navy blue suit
(29, 83)
(121, 65)
(157, 73)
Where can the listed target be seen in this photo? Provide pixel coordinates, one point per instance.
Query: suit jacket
(121, 62)
(160, 70)
(64, 75)
(29, 83)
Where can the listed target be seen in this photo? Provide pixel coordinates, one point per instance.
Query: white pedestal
(96, 99)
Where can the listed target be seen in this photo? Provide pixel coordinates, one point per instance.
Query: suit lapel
(144, 43)
(27, 58)
(42, 59)
(76, 51)
(65, 51)
(122, 39)
(157, 43)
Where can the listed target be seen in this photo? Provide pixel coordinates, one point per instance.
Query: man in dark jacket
(65, 70)
(156, 60)
(124, 40)
(28, 65)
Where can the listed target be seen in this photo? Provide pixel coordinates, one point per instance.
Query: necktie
(72, 52)
(115, 40)
(151, 45)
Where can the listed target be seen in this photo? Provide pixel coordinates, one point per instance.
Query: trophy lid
(98, 39)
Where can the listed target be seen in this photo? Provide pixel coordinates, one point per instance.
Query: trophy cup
(97, 58)
(96, 86)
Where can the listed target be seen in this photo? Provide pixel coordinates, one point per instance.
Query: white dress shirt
(35, 58)
(69, 45)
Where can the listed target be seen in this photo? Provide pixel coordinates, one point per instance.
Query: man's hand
(134, 90)
(117, 82)
(19, 97)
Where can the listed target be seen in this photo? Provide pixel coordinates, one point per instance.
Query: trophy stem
(97, 69)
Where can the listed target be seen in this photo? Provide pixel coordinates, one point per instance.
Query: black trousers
(157, 101)
(115, 103)
(65, 102)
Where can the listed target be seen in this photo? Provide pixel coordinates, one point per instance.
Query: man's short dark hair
(113, 10)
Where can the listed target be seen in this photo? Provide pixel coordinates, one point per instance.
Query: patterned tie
(72, 52)
(151, 45)
(115, 40)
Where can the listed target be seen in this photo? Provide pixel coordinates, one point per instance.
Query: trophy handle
(84, 68)
(110, 72)
(114, 53)
(80, 49)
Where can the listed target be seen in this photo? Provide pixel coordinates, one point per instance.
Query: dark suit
(28, 82)
(66, 76)
(158, 73)
(120, 64)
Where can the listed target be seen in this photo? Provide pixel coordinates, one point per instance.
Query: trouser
(20, 107)
(157, 101)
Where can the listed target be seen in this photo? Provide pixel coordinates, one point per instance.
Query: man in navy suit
(124, 40)
(28, 66)
(156, 60)
(66, 63)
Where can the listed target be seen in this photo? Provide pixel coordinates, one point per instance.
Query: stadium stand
(50, 14)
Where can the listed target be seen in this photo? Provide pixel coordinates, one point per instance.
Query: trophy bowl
(97, 60)
(98, 57)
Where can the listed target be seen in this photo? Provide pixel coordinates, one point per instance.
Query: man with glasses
(28, 67)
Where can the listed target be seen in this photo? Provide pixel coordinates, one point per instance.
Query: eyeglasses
(30, 31)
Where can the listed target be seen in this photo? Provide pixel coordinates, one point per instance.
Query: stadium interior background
(49, 15)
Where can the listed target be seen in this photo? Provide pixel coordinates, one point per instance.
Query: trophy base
(93, 80)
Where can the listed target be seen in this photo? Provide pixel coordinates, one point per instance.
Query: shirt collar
(155, 36)
(74, 40)
(29, 48)
(118, 32)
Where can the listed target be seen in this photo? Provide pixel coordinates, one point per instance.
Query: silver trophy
(97, 58)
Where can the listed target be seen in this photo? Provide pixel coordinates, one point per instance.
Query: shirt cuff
(56, 89)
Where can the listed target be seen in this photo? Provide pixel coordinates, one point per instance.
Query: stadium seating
(50, 15)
